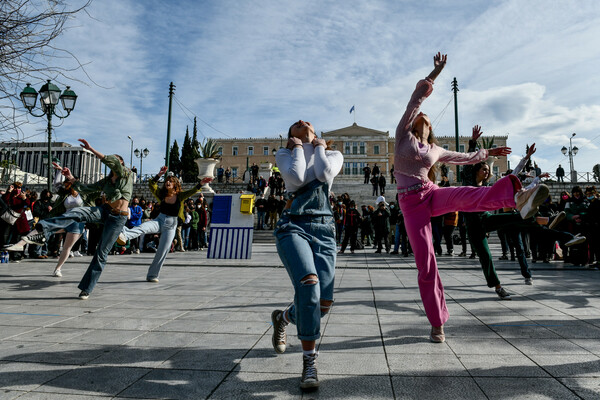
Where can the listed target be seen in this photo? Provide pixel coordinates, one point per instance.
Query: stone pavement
(204, 332)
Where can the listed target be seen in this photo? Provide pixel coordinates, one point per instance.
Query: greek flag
(352, 109)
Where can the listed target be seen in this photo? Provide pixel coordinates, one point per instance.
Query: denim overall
(305, 238)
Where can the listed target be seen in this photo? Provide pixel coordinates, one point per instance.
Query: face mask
(565, 197)
(340, 203)
(591, 197)
(391, 206)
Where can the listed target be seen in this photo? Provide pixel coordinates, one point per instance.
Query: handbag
(10, 217)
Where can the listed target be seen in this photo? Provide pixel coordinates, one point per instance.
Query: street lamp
(141, 155)
(49, 96)
(572, 151)
(131, 155)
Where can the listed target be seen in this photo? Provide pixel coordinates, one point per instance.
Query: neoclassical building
(361, 147)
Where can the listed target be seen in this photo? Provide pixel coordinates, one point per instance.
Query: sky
(526, 68)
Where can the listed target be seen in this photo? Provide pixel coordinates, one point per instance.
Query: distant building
(32, 158)
(360, 146)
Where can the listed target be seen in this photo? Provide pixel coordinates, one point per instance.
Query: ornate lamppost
(572, 152)
(141, 154)
(49, 96)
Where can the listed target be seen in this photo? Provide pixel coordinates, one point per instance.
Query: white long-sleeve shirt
(303, 165)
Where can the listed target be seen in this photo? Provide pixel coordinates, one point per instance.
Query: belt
(412, 188)
(118, 212)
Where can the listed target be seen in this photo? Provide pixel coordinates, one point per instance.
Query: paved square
(204, 331)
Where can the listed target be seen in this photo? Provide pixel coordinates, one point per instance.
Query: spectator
(202, 222)
(375, 183)
(592, 226)
(262, 185)
(352, 221)
(367, 173)
(227, 175)
(375, 170)
(450, 222)
(392, 177)
(560, 174)
(254, 171)
(382, 184)
(381, 224)
(220, 174)
(261, 211)
(366, 226)
(272, 204)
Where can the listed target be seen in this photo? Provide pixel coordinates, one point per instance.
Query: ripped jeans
(306, 245)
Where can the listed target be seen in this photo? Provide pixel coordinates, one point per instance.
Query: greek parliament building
(31, 157)
(360, 146)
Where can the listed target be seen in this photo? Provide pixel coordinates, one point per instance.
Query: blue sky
(250, 68)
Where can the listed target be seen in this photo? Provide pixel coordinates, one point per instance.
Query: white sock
(309, 352)
(285, 317)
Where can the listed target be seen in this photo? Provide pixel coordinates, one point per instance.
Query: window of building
(496, 171)
(265, 150)
(376, 149)
(347, 148)
(446, 147)
(362, 148)
(461, 148)
(494, 146)
(220, 151)
(354, 147)
(234, 150)
(347, 168)
(250, 150)
(234, 172)
(354, 168)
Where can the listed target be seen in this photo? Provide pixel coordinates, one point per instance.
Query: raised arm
(422, 91)
(524, 160)
(327, 165)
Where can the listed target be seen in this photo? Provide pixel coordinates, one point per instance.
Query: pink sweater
(411, 165)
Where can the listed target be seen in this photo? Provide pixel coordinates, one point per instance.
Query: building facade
(31, 157)
(361, 147)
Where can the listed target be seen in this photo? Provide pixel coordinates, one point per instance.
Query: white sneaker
(71, 254)
(57, 273)
(137, 251)
(528, 201)
(577, 239)
(529, 281)
(77, 254)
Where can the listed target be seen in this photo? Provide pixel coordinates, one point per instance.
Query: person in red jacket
(352, 221)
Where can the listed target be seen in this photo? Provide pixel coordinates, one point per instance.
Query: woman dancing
(420, 199)
(172, 200)
(306, 242)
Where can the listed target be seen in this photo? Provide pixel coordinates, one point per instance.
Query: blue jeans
(185, 234)
(166, 226)
(261, 220)
(112, 226)
(306, 245)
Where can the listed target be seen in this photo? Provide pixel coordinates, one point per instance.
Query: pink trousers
(418, 207)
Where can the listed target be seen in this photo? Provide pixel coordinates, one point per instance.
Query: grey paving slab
(524, 388)
(90, 380)
(587, 388)
(179, 384)
(436, 387)
(28, 376)
(492, 364)
(426, 365)
(252, 385)
(562, 366)
(58, 396)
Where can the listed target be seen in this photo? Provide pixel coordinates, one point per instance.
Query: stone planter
(206, 169)
(265, 170)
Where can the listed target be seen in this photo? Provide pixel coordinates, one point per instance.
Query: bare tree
(28, 29)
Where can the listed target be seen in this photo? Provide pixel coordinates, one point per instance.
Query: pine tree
(195, 143)
(174, 161)
(188, 165)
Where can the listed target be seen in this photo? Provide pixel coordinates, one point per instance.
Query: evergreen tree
(174, 161)
(188, 165)
(195, 143)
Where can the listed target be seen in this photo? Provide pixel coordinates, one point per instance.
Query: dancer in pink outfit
(415, 156)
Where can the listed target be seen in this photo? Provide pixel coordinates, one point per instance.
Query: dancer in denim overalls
(420, 199)
(305, 237)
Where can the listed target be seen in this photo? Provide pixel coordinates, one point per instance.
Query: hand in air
(163, 170)
(544, 175)
(206, 180)
(85, 144)
(56, 165)
(292, 142)
(476, 132)
(531, 150)
(499, 151)
(439, 60)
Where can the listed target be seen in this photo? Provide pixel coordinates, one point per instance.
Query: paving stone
(524, 388)
(242, 386)
(180, 384)
(436, 387)
(426, 365)
(587, 388)
(28, 376)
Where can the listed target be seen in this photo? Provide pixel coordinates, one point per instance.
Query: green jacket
(181, 197)
(122, 188)
(195, 219)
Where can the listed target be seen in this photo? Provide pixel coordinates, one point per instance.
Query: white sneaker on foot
(577, 239)
(528, 201)
(77, 254)
(122, 240)
(57, 273)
